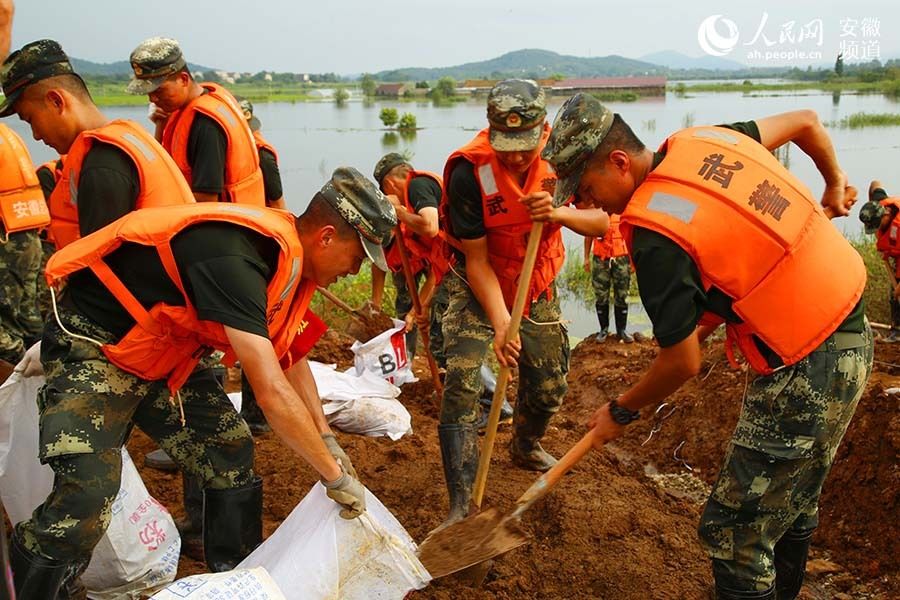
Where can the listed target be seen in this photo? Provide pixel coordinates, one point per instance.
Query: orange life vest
(263, 144)
(168, 341)
(161, 181)
(611, 245)
(243, 179)
(22, 204)
(418, 248)
(507, 222)
(54, 167)
(757, 234)
(887, 241)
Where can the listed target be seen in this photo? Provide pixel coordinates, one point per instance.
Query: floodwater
(313, 138)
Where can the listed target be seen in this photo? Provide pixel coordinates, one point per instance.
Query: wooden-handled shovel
(490, 533)
(417, 309)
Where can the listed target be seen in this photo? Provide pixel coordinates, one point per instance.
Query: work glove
(339, 455)
(30, 365)
(349, 493)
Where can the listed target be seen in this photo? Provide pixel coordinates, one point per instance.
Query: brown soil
(623, 523)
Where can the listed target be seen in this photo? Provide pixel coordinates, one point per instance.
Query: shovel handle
(548, 480)
(515, 320)
(417, 309)
(340, 303)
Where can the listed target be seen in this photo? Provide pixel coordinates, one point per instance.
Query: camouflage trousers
(468, 337)
(20, 322)
(87, 410)
(791, 424)
(609, 273)
(403, 304)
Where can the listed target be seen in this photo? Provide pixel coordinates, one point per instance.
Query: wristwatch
(622, 415)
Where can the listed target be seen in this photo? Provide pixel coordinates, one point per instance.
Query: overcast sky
(353, 36)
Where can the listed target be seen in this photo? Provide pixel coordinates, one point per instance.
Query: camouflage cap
(364, 207)
(516, 109)
(385, 164)
(152, 61)
(579, 128)
(870, 214)
(247, 109)
(30, 64)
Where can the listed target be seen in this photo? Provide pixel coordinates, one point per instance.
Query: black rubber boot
(190, 527)
(791, 553)
(232, 525)
(723, 593)
(506, 412)
(525, 446)
(35, 577)
(621, 323)
(459, 452)
(250, 410)
(603, 318)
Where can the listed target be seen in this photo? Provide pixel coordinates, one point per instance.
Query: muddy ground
(623, 523)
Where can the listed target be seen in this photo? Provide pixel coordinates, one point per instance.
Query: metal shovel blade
(470, 541)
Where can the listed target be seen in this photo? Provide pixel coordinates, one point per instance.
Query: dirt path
(623, 524)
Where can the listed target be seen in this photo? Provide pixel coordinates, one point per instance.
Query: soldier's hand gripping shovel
(489, 533)
(417, 309)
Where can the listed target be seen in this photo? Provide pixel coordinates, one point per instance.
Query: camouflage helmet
(516, 110)
(362, 205)
(152, 61)
(870, 214)
(31, 63)
(579, 128)
(385, 164)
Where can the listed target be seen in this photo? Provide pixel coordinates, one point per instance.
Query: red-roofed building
(394, 90)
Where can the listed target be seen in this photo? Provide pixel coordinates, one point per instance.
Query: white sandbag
(385, 355)
(317, 555)
(24, 481)
(239, 584)
(336, 386)
(138, 551)
(373, 417)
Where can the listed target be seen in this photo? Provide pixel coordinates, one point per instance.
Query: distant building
(392, 90)
(644, 86)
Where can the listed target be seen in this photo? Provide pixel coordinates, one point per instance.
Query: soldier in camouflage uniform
(20, 265)
(606, 259)
(488, 182)
(762, 511)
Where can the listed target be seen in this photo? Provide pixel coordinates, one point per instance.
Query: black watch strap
(622, 415)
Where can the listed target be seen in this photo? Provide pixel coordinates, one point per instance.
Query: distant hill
(113, 69)
(529, 63)
(677, 60)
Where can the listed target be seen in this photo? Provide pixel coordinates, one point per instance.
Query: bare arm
(205, 197)
(804, 128)
(423, 223)
(590, 221)
(7, 10)
(671, 368)
(588, 244)
(285, 411)
(486, 287)
(301, 378)
(277, 204)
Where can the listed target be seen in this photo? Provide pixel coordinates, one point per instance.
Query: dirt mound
(623, 523)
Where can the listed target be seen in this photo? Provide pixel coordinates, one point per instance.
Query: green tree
(407, 122)
(389, 116)
(367, 83)
(341, 96)
(839, 65)
(422, 85)
(446, 86)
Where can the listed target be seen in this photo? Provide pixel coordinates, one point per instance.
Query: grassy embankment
(890, 87)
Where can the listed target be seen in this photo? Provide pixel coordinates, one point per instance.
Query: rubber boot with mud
(621, 323)
(603, 318)
(525, 446)
(35, 577)
(791, 553)
(723, 593)
(232, 525)
(190, 526)
(459, 453)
